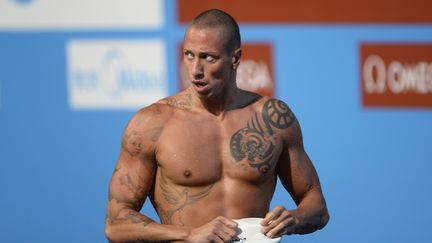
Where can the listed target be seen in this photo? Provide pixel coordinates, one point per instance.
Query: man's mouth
(199, 83)
(201, 86)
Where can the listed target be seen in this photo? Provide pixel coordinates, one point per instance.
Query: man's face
(209, 67)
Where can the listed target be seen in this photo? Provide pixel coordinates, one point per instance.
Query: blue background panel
(374, 164)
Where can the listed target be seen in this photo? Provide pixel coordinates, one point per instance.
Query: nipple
(263, 170)
(187, 173)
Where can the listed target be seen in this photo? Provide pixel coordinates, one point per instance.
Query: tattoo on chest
(257, 141)
(178, 200)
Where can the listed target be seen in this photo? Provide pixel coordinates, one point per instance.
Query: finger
(233, 233)
(216, 239)
(225, 228)
(285, 218)
(267, 219)
(268, 222)
(285, 227)
(219, 240)
(276, 231)
(270, 216)
(225, 237)
(230, 223)
(226, 233)
(227, 222)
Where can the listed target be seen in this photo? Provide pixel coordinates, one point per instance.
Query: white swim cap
(250, 232)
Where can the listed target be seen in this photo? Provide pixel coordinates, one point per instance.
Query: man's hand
(219, 230)
(279, 222)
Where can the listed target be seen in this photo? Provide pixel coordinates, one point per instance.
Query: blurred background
(358, 75)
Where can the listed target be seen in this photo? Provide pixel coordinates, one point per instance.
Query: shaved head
(215, 18)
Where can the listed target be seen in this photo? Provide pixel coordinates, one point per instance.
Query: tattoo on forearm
(137, 218)
(256, 141)
(178, 200)
(128, 216)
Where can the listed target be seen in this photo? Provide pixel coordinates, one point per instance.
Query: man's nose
(197, 68)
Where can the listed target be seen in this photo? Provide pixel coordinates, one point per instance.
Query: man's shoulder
(162, 110)
(274, 112)
(156, 113)
(266, 102)
(181, 100)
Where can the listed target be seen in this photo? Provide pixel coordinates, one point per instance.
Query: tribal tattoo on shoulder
(178, 200)
(257, 141)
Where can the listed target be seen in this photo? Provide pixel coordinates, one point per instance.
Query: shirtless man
(212, 154)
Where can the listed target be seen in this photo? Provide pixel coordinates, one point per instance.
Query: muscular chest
(189, 151)
(197, 150)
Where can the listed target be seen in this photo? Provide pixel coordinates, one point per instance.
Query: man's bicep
(131, 182)
(295, 168)
(132, 178)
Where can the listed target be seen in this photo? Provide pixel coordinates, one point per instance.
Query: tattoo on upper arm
(133, 187)
(277, 114)
(178, 200)
(132, 143)
(132, 195)
(133, 140)
(257, 141)
(131, 190)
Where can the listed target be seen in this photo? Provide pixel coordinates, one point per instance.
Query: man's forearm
(131, 226)
(311, 213)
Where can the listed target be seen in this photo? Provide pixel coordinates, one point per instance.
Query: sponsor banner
(314, 11)
(255, 72)
(80, 14)
(396, 75)
(116, 74)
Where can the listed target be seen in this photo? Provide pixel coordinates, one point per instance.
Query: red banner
(314, 11)
(396, 75)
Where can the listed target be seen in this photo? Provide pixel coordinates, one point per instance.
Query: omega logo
(396, 77)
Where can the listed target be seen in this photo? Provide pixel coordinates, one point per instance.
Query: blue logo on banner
(23, 1)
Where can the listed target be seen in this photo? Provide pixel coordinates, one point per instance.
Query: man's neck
(234, 98)
(217, 106)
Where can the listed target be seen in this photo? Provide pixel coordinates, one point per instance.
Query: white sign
(80, 14)
(116, 74)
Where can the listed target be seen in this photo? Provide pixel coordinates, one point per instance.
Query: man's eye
(188, 55)
(209, 58)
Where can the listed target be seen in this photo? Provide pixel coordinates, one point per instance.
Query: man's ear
(236, 58)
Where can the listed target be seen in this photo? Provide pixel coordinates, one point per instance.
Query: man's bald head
(215, 18)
